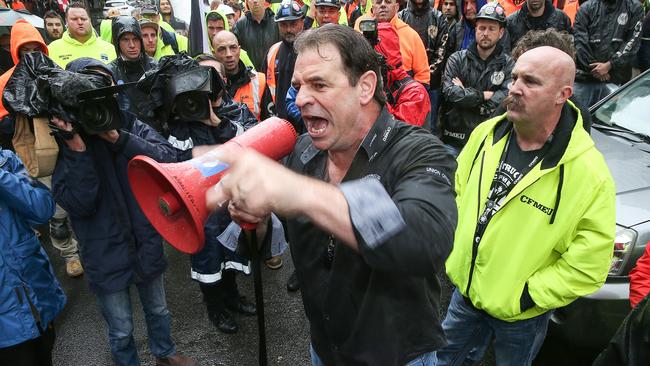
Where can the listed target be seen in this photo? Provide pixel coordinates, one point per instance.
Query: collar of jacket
(373, 144)
(568, 128)
(496, 52)
(68, 39)
(242, 77)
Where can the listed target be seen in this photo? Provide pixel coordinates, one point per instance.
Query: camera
(38, 87)
(179, 91)
(98, 111)
(190, 92)
(368, 28)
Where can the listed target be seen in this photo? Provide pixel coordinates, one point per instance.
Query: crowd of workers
(446, 136)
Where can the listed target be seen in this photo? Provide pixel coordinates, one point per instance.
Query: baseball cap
(144, 22)
(289, 10)
(333, 3)
(149, 9)
(225, 9)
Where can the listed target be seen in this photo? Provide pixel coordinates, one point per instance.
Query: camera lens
(192, 106)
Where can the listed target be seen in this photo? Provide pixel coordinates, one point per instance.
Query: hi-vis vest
(271, 64)
(251, 94)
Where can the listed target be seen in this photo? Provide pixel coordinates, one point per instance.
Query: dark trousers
(34, 352)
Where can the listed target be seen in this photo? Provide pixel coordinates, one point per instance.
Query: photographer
(119, 246)
(215, 267)
(25, 38)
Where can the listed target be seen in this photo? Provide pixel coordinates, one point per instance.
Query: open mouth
(316, 126)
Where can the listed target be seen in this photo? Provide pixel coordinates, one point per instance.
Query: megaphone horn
(172, 196)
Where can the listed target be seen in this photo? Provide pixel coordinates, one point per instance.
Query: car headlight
(623, 245)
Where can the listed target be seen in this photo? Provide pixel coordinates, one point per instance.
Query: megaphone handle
(251, 241)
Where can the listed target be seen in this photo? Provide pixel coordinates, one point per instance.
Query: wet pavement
(82, 334)
(82, 339)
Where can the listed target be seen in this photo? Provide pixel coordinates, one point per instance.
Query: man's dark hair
(52, 14)
(549, 37)
(357, 56)
(76, 5)
(235, 6)
(214, 16)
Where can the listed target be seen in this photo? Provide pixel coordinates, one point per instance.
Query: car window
(629, 108)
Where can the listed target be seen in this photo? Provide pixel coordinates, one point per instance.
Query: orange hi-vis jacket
(251, 94)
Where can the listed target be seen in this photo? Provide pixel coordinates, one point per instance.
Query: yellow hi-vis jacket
(554, 232)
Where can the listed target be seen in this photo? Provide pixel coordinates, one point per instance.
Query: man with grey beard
(536, 15)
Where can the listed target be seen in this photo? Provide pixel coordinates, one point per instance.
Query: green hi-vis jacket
(554, 232)
(68, 49)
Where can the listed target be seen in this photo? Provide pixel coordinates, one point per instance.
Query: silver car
(621, 131)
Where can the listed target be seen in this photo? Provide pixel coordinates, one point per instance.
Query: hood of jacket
(222, 15)
(171, 6)
(85, 63)
(123, 25)
(23, 32)
(461, 6)
(458, 8)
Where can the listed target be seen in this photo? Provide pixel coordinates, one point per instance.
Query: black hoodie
(433, 29)
(520, 22)
(128, 71)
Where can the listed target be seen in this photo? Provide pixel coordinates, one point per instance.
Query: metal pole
(251, 239)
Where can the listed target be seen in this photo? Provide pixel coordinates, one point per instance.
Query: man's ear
(565, 93)
(367, 84)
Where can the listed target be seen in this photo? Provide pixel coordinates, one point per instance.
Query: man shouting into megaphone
(370, 207)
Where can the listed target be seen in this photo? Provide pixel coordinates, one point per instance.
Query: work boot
(292, 283)
(73, 268)
(241, 305)
(274, 262)
(175, 360)
(223, 320)
(59, 228)
(213, 295)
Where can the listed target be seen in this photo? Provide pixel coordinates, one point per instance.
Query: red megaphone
(172, 196)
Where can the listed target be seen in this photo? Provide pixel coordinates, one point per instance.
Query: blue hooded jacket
(30, 294)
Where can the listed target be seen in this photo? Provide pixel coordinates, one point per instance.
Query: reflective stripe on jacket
(271, 64)
(251, 94)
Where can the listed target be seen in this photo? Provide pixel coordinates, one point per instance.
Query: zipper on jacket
(477, 239)
(35, 313)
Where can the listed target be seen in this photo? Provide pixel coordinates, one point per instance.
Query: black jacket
(256, 38)
(118, 245)
(130, 71)
(520, 22)
(643, 58)
(607, 31)
(432, 28)
(381, 305)
(464, 108)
